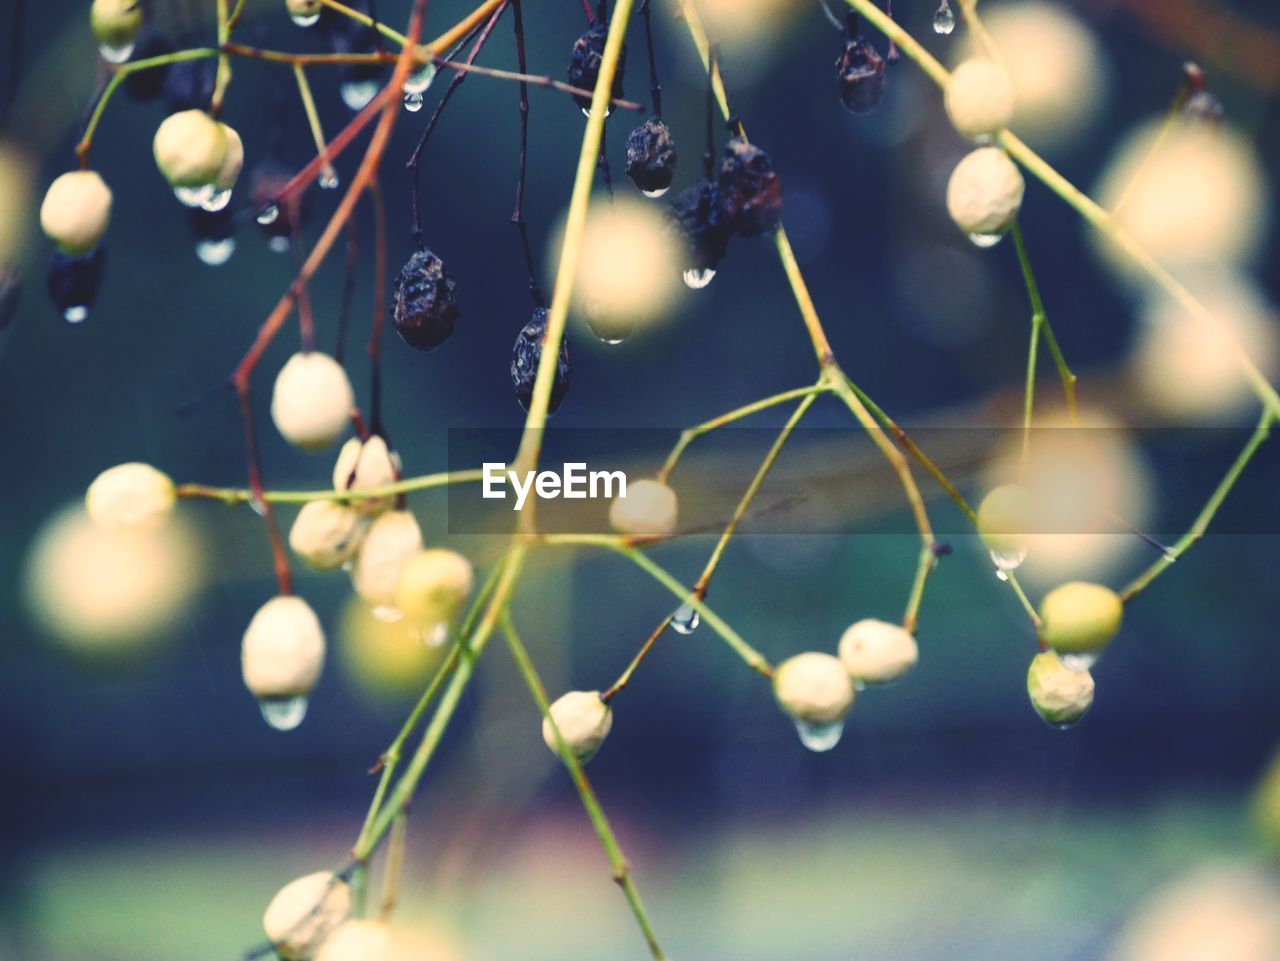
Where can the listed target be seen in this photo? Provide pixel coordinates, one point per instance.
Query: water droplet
(985, 240)
(413, 102)
(1001, 575)
(357, 94)
(256, 507)
(435, 635)
(195, 196)
(116, 54)
(329, 180)
(685, 620)
(76, 314)
(283, 713)
(268, 215)
(1065, 727)
(218, 200)
(305, 19)
(278, 245)
(819, 737)
(1008, 560)
(697, 279)
(215, 253)
(859, 684)
(388, 615)
(655, 194)
(419, 81)
(586, 111)
(944, 21)
(1078, 662)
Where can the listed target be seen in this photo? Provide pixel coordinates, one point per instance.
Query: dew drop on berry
(696, 279)
(329, 180)
(655, 194)
(218, 200)
(358, 94)
(819, 737)
(1001, 575)
(1008, 560)
(215, 253)
(685, 620)
(116, 54)
(412, 101)
(283, 713)
(944, 21)
(195, 196)
(985, 240)
(1078, 662)
(269, 215)
(305, 19)
(420, 80)
(76, 314)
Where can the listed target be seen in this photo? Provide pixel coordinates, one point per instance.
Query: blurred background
(149, 813)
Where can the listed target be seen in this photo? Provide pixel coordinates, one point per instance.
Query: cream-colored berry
(303, 9)
(985, 192)
(190, 148)
(1006, 519)
(366, 465)
(875, 652)
(358, 940)
(304, 911)
(76, 211)
(282, 654)
(233, 162)
(392, 539)
(648, 509)
(1059, 694)
(814, 688)
(979, 98)
(1080, 618)
(116, 22)
(583, 721)
(432, 587)
(130, 495)
(312, 400)
(326, 534)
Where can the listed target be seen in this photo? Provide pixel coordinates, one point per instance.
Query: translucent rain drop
(819, 737)
(697, 279)
(283, 713)
(305, 19)
(1008, 560)
(944, 21)
(1078, 662)
(76, 315)
(357, 94)
(985, 240)
(268, 215)
(195, 196)
(419, 81)
(217, 201)
(586, 111)
(685, 620)
(215, 253)
(329, 180)
(655, 194)
(278, 245)
(116, 54)
(412, 102)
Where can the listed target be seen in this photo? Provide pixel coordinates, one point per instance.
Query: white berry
(304, 911)
(814, 688)
(130, 495)
(312, 400)
(303, 8)
(326, 534)
(583, 721)
(979, 98)
(282, 654)
(115, 23)
(985, 192)
(76, 211)
(190, 148)
(392, 539)
(366, 465)
(358, 940)
(648, 509)
(876, 652)
(432, 587)
(1059, 694)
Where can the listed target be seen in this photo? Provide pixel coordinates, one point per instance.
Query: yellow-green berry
(1059, 694)
(1080, 618)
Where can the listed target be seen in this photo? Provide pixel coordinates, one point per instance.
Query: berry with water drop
(696, 220)
(651, 157)
(1080, 618)
(190, 148)
(860, 75)
(433, 586)
(584, 63)
(282, 653)
(985, 192)
(116, 23)
(73, 282)
(1059, 694)
(527, 355)
(813, 688)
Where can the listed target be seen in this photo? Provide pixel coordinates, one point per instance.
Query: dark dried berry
(584, 63)
(426, 302)
(695, 216)
(860, 76)
(189, 85)
(527, 355)
(651, 157)
(147, 85)
(1204, 107)
(750, 190)
(73, 282)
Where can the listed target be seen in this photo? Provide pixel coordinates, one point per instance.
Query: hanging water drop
(420, 80)
(944, 21)
(278, 245)
(1078, 662)
(1008, 560)
(218, 200)
(195, 196)
(269, 215)
(655, 194)
(305, 20)
(329, 179)
(685, 620)
(76, 314)
(696, 279)
(819, 737)
(215, 253)
(985, 240)
(357, 94)
(283, 713)
(1001, 575)
(412, 101)
(116, 54)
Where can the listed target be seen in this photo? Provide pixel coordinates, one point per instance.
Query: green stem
(1040, 325)
(617, 861)
(313, 117)
(236, 495)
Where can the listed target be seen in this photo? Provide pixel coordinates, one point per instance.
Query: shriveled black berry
(584, 63)
(189, 84)
(1204, 107)
(749, 189)
(860, 75)
(651, 157)
(527, 355)
(426, 302)
(695, 216)
(147, 85)
(73, 282)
